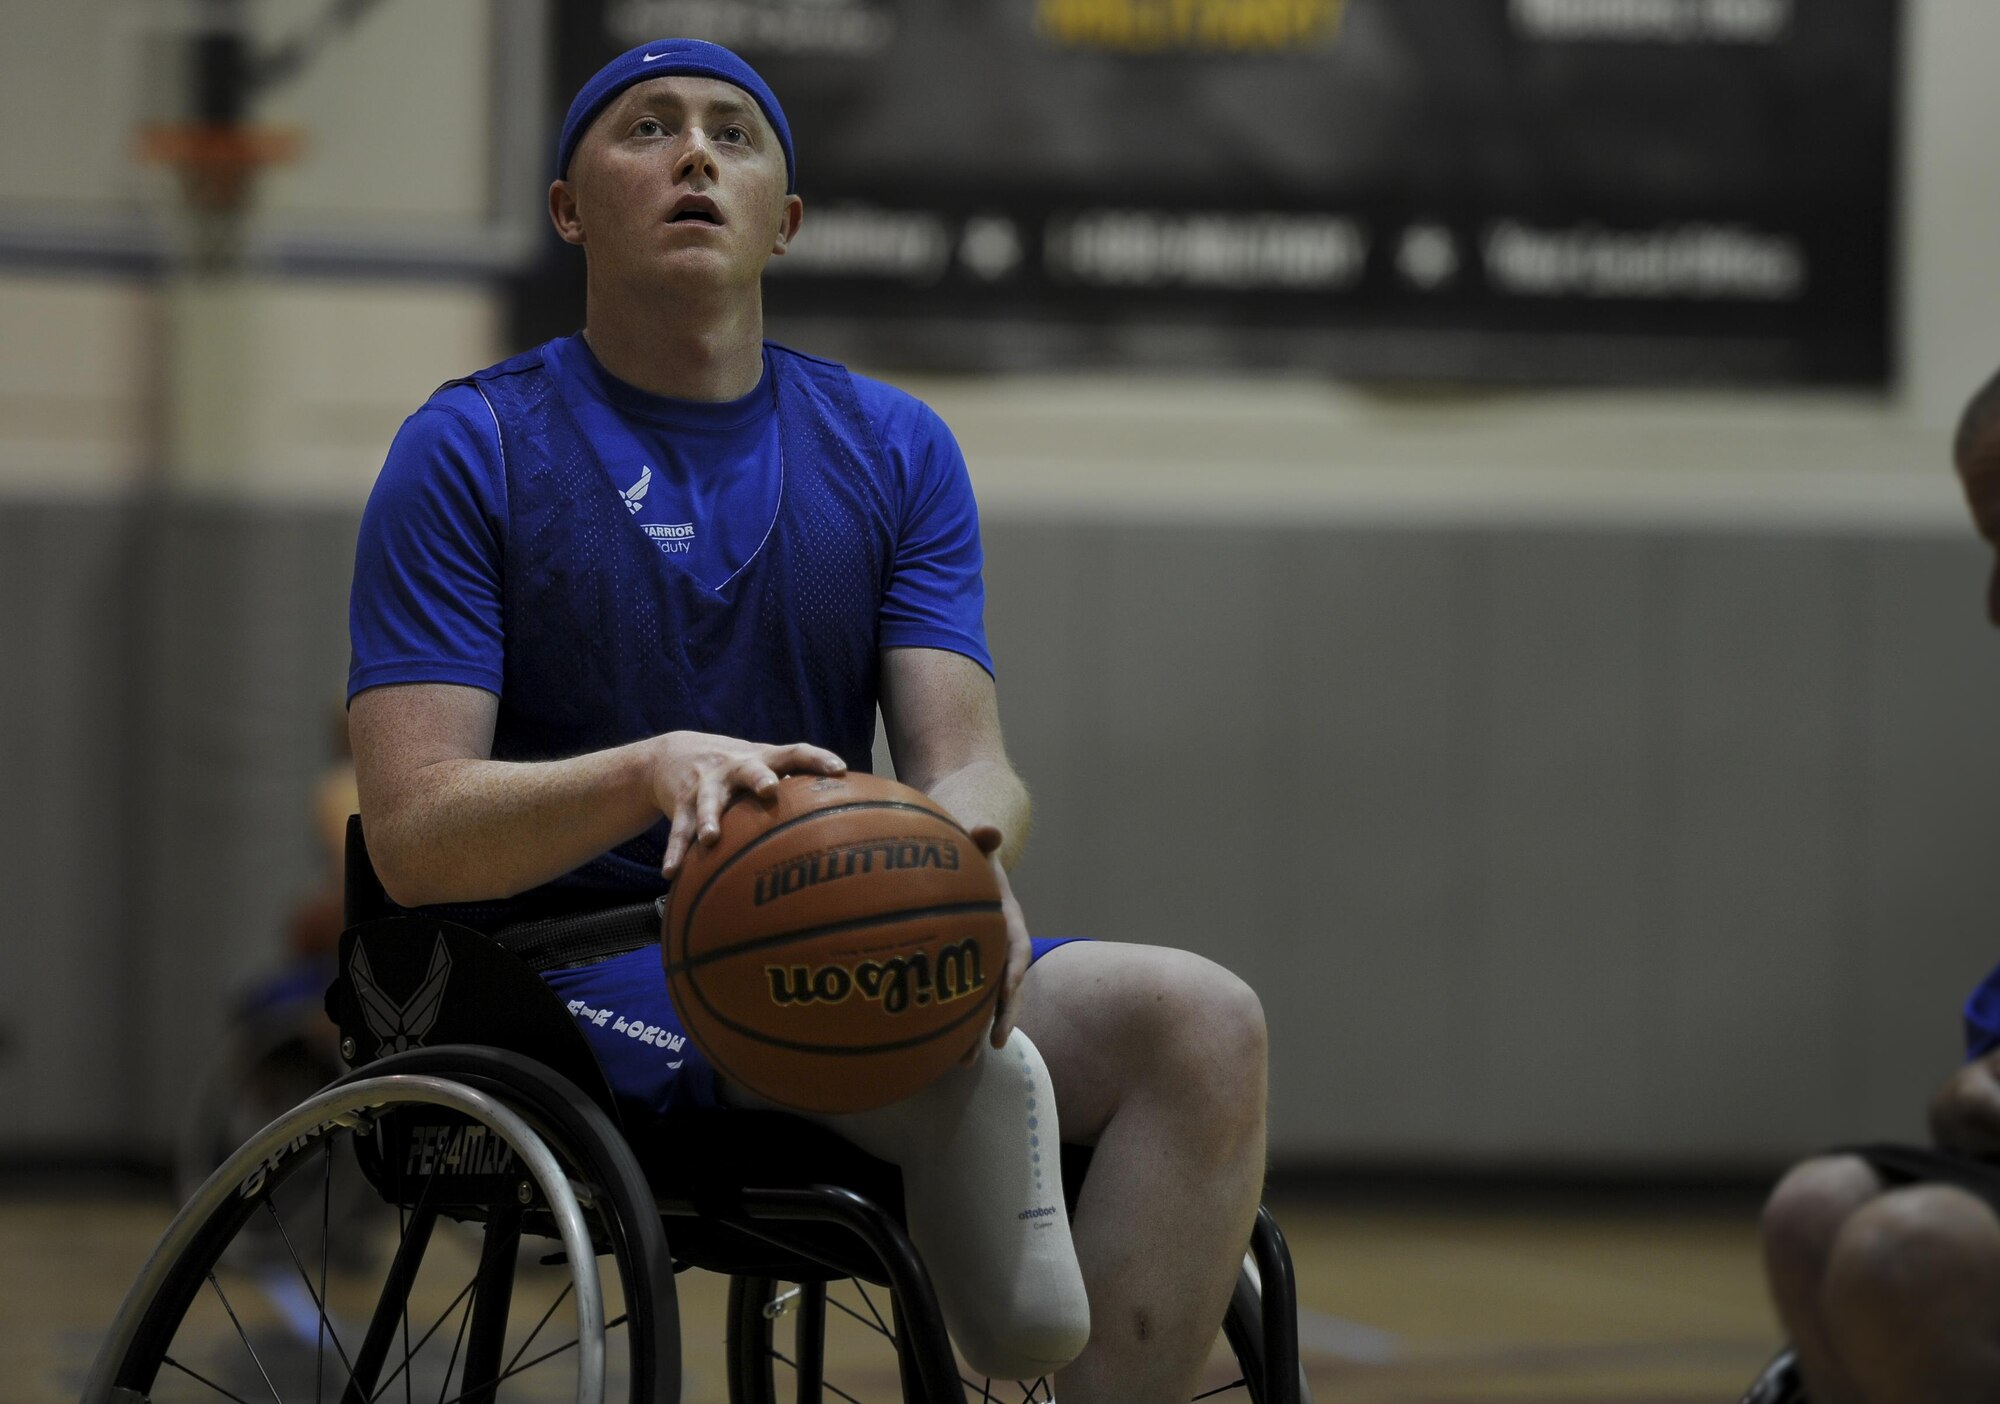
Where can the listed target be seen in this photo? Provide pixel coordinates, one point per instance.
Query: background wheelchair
(1778, 1383)
(468, 1215)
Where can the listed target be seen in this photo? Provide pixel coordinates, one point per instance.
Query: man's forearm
(466, 830)
(987, 792)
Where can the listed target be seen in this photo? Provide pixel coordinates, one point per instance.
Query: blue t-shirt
(703, 480)
(611, 563)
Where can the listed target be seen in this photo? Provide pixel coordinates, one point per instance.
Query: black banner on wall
(1616, 191)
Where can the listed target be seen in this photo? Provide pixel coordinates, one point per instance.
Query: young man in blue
(605, 586)
(1884, 1263)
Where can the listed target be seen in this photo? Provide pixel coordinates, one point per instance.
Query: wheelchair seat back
(416, 981)
(407, 980)
(412, 980)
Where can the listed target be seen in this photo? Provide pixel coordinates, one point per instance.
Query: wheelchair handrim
(266, 1155)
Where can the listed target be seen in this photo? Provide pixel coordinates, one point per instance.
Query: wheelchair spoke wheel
(830, 1341)
(283, 1281)
(839, 1342)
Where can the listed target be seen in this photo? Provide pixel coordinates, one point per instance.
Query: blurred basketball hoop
(218, 162)
(210, 138)
(209, 135)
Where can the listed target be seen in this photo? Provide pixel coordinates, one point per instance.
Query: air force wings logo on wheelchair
(403, 1025)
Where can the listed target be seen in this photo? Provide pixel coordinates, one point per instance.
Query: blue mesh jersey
(1982, 1016)
(613, 565)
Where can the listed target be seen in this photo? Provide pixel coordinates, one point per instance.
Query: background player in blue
(1884, 1262)
(606, 585)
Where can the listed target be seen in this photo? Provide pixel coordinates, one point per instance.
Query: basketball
(838, 947)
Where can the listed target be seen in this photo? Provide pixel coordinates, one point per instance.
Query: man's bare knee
(1907, 1292)
(1895, 1253)
(1131, 1027)
(1205, 1042)
(1802, 1221)
(1230, 1018)
(1805, 1212)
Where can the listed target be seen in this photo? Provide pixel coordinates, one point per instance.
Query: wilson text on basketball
(898, 982)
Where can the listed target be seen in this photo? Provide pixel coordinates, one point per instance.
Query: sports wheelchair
(435, 1223)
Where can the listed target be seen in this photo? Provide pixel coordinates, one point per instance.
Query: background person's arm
(942, 715)
(1965, 1113)
(446, 823)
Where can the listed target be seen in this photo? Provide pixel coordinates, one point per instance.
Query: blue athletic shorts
(622, 1005)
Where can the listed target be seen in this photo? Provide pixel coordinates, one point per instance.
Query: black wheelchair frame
(1778, 1383)
(474, 1097)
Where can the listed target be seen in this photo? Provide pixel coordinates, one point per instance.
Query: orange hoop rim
(217, 145)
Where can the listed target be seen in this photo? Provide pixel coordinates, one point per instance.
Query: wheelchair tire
(755, 1362)
(200, 1322)
(268, 1065)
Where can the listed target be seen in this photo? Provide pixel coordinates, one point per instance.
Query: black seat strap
(564, 942)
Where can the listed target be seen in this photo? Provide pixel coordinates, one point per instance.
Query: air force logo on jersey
(635, 495)
(673, 538)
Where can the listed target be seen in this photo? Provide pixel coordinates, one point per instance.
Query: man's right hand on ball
(695, 775)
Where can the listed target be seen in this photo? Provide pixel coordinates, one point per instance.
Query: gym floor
(1416, 1299)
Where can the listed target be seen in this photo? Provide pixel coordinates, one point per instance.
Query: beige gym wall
(1587, 778)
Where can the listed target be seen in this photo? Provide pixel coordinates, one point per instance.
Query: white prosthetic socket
(982, 1183)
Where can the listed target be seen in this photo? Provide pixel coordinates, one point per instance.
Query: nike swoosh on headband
(652, 58)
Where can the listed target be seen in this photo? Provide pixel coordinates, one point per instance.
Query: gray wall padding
(1590, 847)
(246, 653)
(1601, 848)
(71, 1015)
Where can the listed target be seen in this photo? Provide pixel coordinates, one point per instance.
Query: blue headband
(658, 59)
